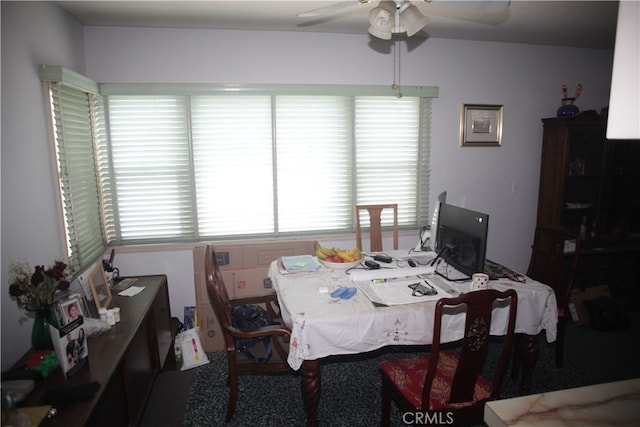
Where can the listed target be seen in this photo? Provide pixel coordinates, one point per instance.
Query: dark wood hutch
(591, 186)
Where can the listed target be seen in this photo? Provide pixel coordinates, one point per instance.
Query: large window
(187, 167)
(168, 163)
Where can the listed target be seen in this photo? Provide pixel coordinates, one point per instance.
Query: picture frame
(481, 125)
(99, 285)
(70, 310)
(71, 346)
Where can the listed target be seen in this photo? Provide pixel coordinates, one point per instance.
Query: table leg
(310, 381)
(526, 354)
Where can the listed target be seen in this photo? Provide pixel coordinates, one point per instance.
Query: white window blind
(233, 164)
(314, 163)
(151, 167)
(388, 141)
(201, 166)
(73, 113)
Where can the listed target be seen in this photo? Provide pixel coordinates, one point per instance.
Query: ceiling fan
(401, 16)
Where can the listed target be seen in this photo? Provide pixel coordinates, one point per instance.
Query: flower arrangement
(37, 290)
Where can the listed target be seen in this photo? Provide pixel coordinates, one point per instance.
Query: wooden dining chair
(453, 380)
(223, 306)
(549, 265)
(375, 225)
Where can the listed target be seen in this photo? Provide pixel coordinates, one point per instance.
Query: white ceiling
(590, 24)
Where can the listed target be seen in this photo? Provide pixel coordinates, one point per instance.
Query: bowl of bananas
(338, 258)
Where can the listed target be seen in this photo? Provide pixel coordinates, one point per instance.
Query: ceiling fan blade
(331, 8)
(479, 5)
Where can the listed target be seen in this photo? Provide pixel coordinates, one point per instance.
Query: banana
(352, 255)
(322, 252)
(346, 255)
(328, 251)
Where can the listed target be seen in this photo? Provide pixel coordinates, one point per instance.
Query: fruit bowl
(327, 257)
(339, 265)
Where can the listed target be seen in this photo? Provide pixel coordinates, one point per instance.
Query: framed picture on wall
(480, 125)
(99, 285)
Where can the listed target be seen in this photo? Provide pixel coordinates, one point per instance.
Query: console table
(125, 361)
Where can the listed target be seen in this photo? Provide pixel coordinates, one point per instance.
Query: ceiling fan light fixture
(412, 20)
(382, 20)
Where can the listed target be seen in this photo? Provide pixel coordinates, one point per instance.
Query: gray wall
(525, 79)
(32, 33)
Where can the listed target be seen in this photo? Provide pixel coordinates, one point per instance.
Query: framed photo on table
(480, 125)
(99, 285)
(70, 310)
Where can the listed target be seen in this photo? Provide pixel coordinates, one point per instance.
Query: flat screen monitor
(462, 238)
(442, 198)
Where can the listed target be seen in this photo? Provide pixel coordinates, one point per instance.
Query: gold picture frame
(99, 285)
(480, 125)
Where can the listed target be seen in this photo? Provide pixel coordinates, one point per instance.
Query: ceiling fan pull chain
(396, 69)
(394, 85)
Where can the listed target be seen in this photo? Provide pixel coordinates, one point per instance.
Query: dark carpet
(350, 391)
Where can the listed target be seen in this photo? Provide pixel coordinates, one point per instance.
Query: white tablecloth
(322, 326)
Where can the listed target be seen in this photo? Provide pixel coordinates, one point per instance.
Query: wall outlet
(515, 187)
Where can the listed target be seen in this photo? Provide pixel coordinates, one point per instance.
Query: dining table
(382, 311)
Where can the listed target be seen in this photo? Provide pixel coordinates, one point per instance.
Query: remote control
(383, 258)
(372, 265)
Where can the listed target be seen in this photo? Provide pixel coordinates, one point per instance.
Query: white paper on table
(131, 291)
(397, 292)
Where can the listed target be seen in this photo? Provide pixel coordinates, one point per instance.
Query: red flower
(57, 270)
(15, 290)
(37, 276)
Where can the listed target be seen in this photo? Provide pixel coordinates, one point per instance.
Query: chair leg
(232, 382)
(517, 358)
(562, 325)
(385, 414)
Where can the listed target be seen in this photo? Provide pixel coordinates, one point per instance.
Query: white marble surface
(609, 404)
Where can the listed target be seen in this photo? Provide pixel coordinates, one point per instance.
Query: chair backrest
(475, 343)
(375, 225)
(217, 291)
(549, 265)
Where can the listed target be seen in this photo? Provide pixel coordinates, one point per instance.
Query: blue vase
(568, 108)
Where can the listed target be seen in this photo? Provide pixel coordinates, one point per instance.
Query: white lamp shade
(382, 20)
(412, 20)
